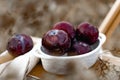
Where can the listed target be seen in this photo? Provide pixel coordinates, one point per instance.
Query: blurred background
(35, 17)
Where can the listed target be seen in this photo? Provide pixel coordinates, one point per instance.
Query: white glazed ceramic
(59, 64)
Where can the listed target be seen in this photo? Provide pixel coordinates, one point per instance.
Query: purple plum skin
(19, 44)
(67, 27)
(56, 40)
(87, 33)
(81, 48)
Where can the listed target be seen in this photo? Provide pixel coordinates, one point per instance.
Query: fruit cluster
(64, 38)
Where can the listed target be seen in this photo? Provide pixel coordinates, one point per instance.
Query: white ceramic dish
(58, 64)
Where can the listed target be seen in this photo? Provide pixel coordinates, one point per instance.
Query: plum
(87, 33)
(67, 27)
(56, 40)
(81, 47)
(19, 44)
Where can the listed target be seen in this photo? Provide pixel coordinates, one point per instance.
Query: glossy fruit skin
(81, 48)
(56, 40)
(87, 33)
(19, 44)
(67, 27)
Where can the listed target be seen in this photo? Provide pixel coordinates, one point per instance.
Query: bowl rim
(101, 38)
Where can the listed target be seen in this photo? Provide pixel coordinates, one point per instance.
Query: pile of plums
(64, 38)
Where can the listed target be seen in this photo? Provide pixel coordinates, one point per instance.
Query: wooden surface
(40, 73)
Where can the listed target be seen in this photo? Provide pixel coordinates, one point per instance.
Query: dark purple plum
(87, 32)
(19, 44)
(81, 48)
(67, 27)
(56, 40)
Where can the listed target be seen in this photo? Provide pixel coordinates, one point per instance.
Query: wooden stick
(110, 18)
(5, 56)
(113, 26)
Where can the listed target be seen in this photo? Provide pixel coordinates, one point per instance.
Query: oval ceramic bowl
(59, 64)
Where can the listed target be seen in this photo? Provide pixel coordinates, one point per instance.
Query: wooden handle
(5, 56)
(111, 22)
(113, 26)
(111, 17)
